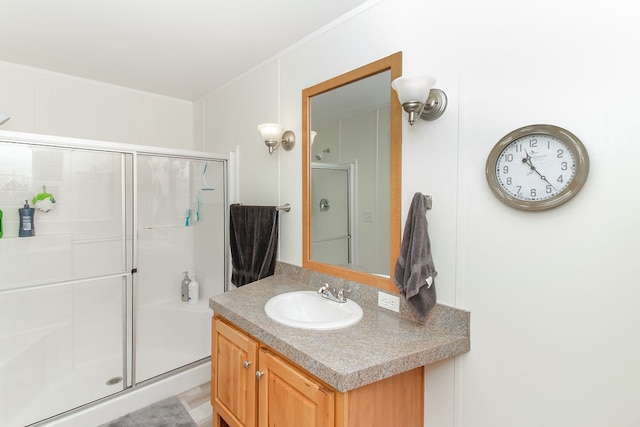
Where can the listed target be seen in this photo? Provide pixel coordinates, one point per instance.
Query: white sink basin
(310, 310)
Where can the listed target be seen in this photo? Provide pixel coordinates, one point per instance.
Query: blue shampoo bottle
(26, 220)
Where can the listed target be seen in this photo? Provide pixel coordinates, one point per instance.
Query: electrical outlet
(368, 216)
(390, 302)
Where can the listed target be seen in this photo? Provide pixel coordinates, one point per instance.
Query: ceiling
(178, 48)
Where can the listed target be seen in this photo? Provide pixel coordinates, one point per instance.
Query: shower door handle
(246, 364)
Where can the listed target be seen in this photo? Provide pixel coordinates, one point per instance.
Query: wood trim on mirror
(392, 63)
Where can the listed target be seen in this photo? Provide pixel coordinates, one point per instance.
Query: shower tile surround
(381, 345)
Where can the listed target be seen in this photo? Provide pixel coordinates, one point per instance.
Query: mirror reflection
(352, 174)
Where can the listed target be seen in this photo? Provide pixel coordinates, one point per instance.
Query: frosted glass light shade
(270, 131)
(413, 88)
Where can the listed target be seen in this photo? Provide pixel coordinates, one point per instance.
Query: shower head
(4, 117)
(322, 153)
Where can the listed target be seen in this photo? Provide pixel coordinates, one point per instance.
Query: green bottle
(0, 223)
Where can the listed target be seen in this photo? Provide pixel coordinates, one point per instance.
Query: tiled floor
(197, 401)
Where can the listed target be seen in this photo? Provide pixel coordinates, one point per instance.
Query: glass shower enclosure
(91, 305)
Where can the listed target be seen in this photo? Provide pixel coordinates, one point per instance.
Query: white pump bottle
(194, 289)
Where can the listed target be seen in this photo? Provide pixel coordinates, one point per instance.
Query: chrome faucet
(333, 294)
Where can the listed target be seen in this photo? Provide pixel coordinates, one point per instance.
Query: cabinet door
(233, 372)
(290, 398)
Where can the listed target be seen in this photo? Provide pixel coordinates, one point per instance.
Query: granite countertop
(381, 345)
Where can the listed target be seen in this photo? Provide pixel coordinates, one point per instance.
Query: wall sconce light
(321, 154)
(272, 135)
(4, 117)
(412, 90)
(313, 136)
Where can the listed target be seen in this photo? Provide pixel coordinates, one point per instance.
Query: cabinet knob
(246, 364)
(259, 375)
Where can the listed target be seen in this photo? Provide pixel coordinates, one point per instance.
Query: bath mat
(166, 413)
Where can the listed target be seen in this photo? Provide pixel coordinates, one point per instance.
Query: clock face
(537, 167)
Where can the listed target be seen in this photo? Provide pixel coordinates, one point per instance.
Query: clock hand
(527, 161)
(530, 157)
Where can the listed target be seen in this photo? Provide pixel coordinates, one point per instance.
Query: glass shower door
(63, 291)
(180, 227)
(332, 232)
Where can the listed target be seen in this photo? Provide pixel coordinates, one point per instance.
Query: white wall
(229, 119)
(552, 294)
(48, 103)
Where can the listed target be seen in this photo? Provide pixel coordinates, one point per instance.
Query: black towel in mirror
(253, 234)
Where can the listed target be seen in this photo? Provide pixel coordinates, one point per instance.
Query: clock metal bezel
(574, 144)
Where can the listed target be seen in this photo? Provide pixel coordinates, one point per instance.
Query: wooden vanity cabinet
(285, 395)
(233, 381)
(290, 397)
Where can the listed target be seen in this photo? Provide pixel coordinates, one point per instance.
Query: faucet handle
(341, 294)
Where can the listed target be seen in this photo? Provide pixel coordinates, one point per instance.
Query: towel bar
(286, 207)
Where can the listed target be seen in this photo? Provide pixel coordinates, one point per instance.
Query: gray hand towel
(414, 273)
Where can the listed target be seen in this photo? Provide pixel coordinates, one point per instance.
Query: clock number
(505, 170)
(564, 166)
(509, 181)
(533, 192)
(533, 143)
(509, 157)
(560, 179)
(560, 153)
(549, 189)
(518, 148)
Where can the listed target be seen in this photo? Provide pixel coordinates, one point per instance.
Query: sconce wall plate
(288, 140)
(435, 105)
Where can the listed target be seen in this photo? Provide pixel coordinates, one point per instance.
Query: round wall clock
(537, 167)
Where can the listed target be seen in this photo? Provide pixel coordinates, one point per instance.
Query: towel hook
(428, 200)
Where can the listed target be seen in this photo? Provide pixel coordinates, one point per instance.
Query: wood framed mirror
(351, 174)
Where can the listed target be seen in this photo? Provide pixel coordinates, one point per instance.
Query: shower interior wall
(67, 294)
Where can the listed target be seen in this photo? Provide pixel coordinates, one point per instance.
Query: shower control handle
(246, 364)
(259, 375)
